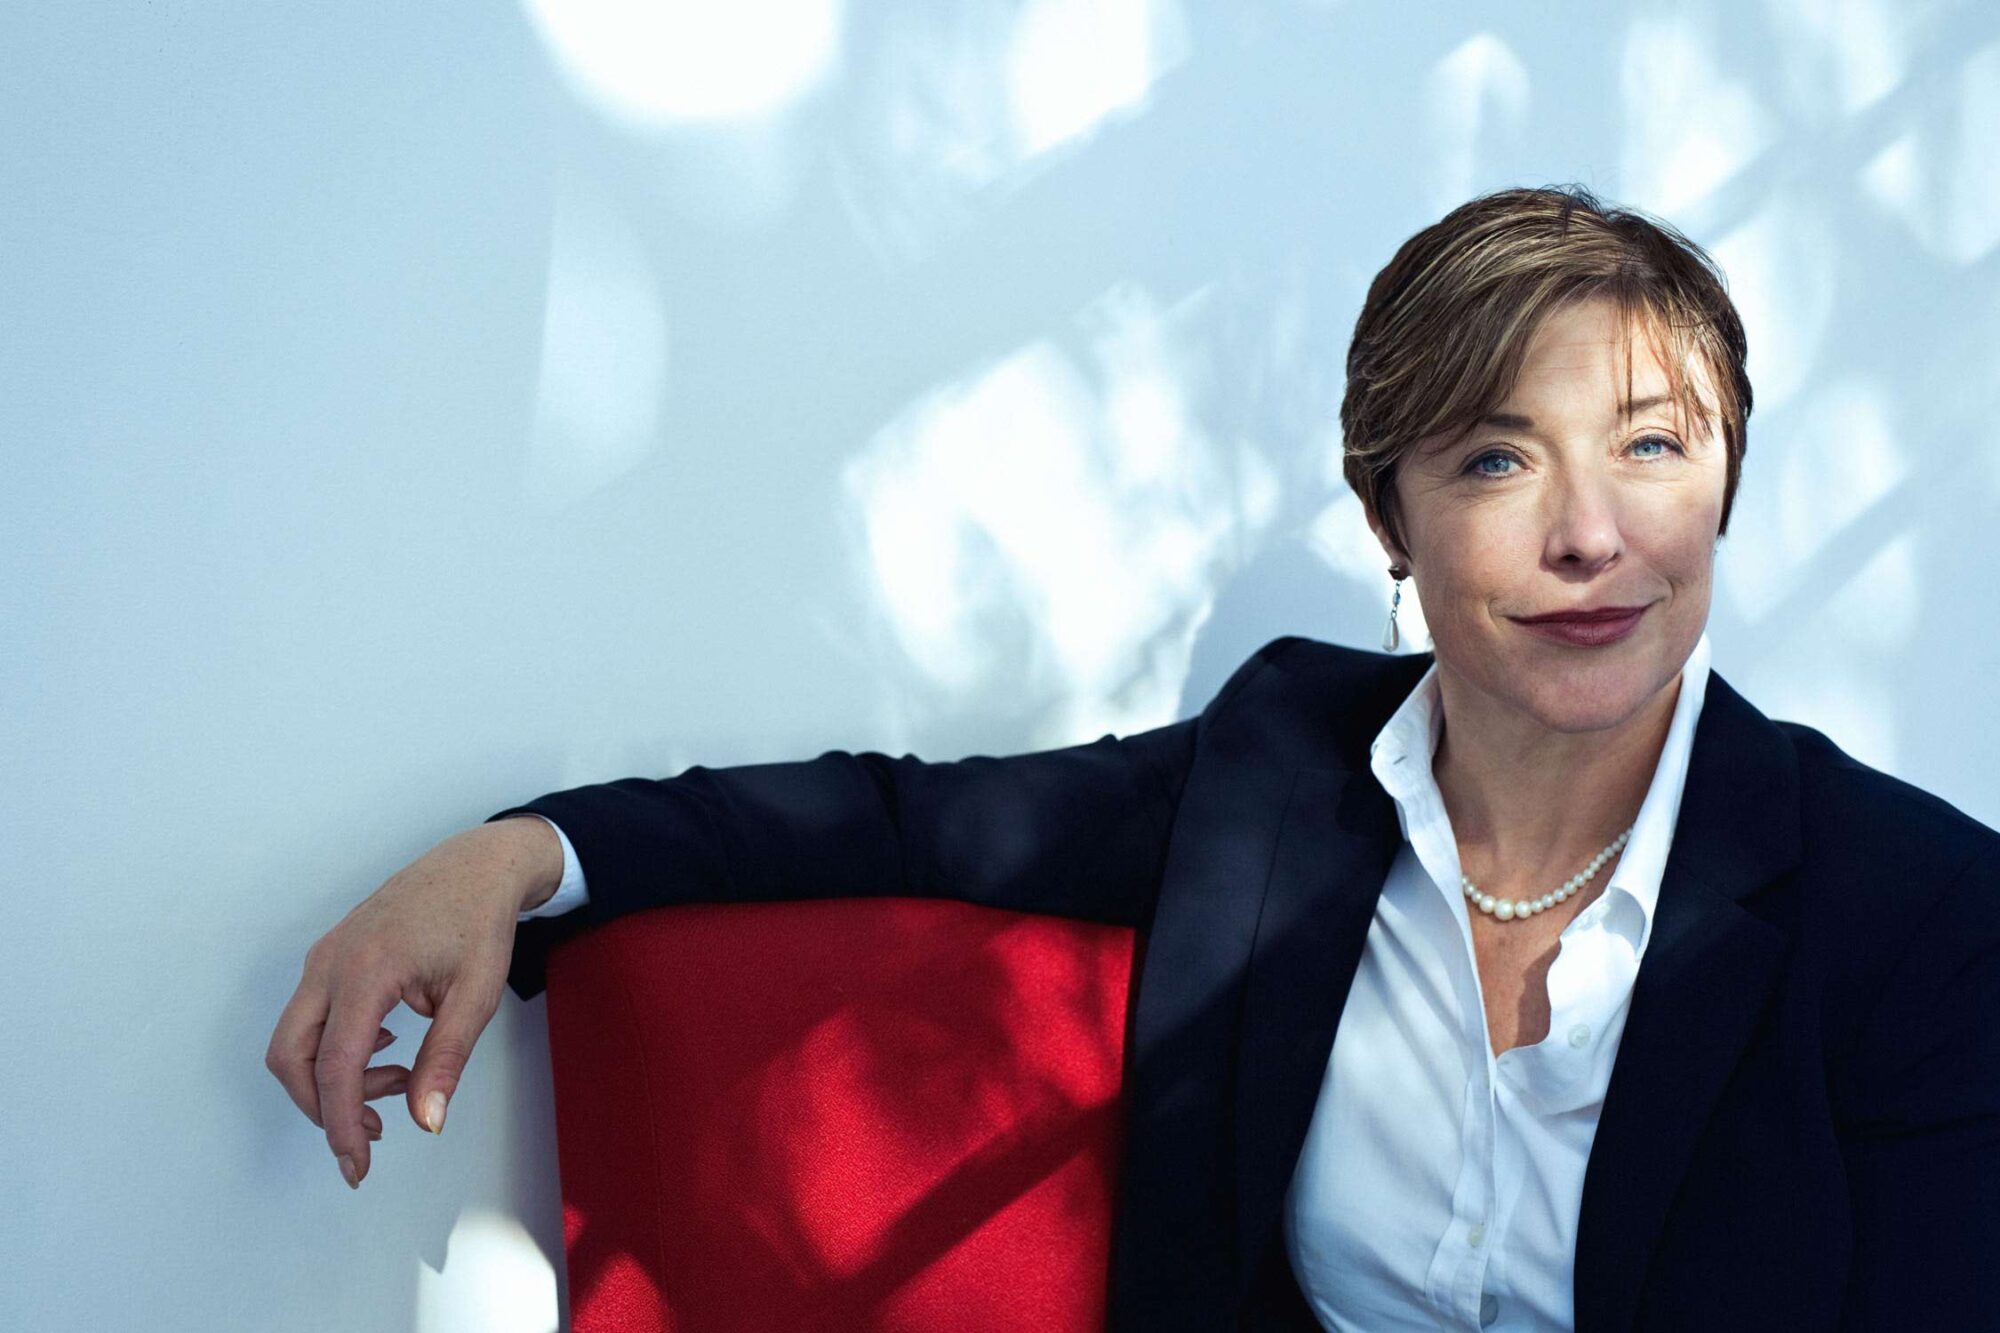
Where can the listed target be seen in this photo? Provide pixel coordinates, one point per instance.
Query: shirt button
(1489, 1309)
(1476, 1236)
(1579, 1035)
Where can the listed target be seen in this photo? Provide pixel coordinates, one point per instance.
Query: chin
(1567, 689)
(1588, 698)
(1567, 716)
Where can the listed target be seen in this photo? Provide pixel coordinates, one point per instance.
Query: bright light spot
(1942, 180)
(1894, 176)
(604, 355)
(966, 103)
(495, 1278)
(1055, 530)
(674, 61)
(1072, 63)
(1691, 128)
(1782, 266)
(1481, 81)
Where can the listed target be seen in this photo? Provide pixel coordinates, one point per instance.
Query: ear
(1392, 553)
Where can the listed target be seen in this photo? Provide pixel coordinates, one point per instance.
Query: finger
(295, 1044)
(354, 1014)
(440, 1062)
(372, 1123)
(381, 1080)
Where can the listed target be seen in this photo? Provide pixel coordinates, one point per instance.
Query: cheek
(1677, 537)
(1688, 555)
(1497, 564)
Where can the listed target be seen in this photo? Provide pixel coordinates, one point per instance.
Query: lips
(1583, 617)
(1587, 631)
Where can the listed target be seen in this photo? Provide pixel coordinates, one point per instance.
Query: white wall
(409, 409)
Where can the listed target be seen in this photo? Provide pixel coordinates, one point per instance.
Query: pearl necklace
(1503, 909)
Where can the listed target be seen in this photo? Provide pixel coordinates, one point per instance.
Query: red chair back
(860, 1113)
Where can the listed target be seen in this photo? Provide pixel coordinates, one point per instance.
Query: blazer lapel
(1172, 1247)
(1702, 985)
(1333, 851)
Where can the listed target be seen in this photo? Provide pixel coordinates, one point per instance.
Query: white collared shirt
(1439, 1185)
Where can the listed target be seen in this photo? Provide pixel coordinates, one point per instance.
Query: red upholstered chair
(861, 1113)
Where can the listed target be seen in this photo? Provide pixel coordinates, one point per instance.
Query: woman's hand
(438, 935)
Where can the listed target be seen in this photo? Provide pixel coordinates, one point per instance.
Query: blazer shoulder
(1320, 665)
(1887, 818)
(1321, 656)
(1301, 699)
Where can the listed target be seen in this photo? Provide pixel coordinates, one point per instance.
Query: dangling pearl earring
(1391, 638)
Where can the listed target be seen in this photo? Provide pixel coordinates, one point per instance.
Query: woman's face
(1561, 501)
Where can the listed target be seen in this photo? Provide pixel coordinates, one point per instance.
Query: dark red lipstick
(1589, 627)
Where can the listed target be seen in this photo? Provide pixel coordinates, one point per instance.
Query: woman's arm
(1922, 1137)
(1079, 831)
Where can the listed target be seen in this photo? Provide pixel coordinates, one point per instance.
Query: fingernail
(434, 1112)
(347, 1172)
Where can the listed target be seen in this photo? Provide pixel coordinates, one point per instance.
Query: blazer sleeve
(1922, 1136)
(1079, 831)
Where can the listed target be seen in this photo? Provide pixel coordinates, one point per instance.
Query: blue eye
(1508, 456)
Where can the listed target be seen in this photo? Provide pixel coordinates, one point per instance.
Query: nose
(1583, 529)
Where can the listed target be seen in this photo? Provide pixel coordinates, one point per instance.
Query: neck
(1528, 804)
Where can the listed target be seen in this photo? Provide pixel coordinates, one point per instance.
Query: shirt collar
(1400, 757)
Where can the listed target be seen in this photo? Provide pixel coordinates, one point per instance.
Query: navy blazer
(1802, 1128)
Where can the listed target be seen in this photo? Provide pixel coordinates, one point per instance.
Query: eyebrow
(1515, 421)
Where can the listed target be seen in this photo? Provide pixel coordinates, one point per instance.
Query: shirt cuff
(569, 894)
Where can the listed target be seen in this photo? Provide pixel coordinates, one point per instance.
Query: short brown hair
(1446, 326)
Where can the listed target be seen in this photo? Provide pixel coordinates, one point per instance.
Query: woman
(1536, 981)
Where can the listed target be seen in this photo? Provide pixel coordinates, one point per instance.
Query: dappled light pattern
(1080, 425)
(960, 106)
(1837, 58)
(1070, 66)
(668, 63)
(1813, 502)
(1941, 177)
(1054, 529)
(1474, 97)
(1691, 125)
(1784, 275)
